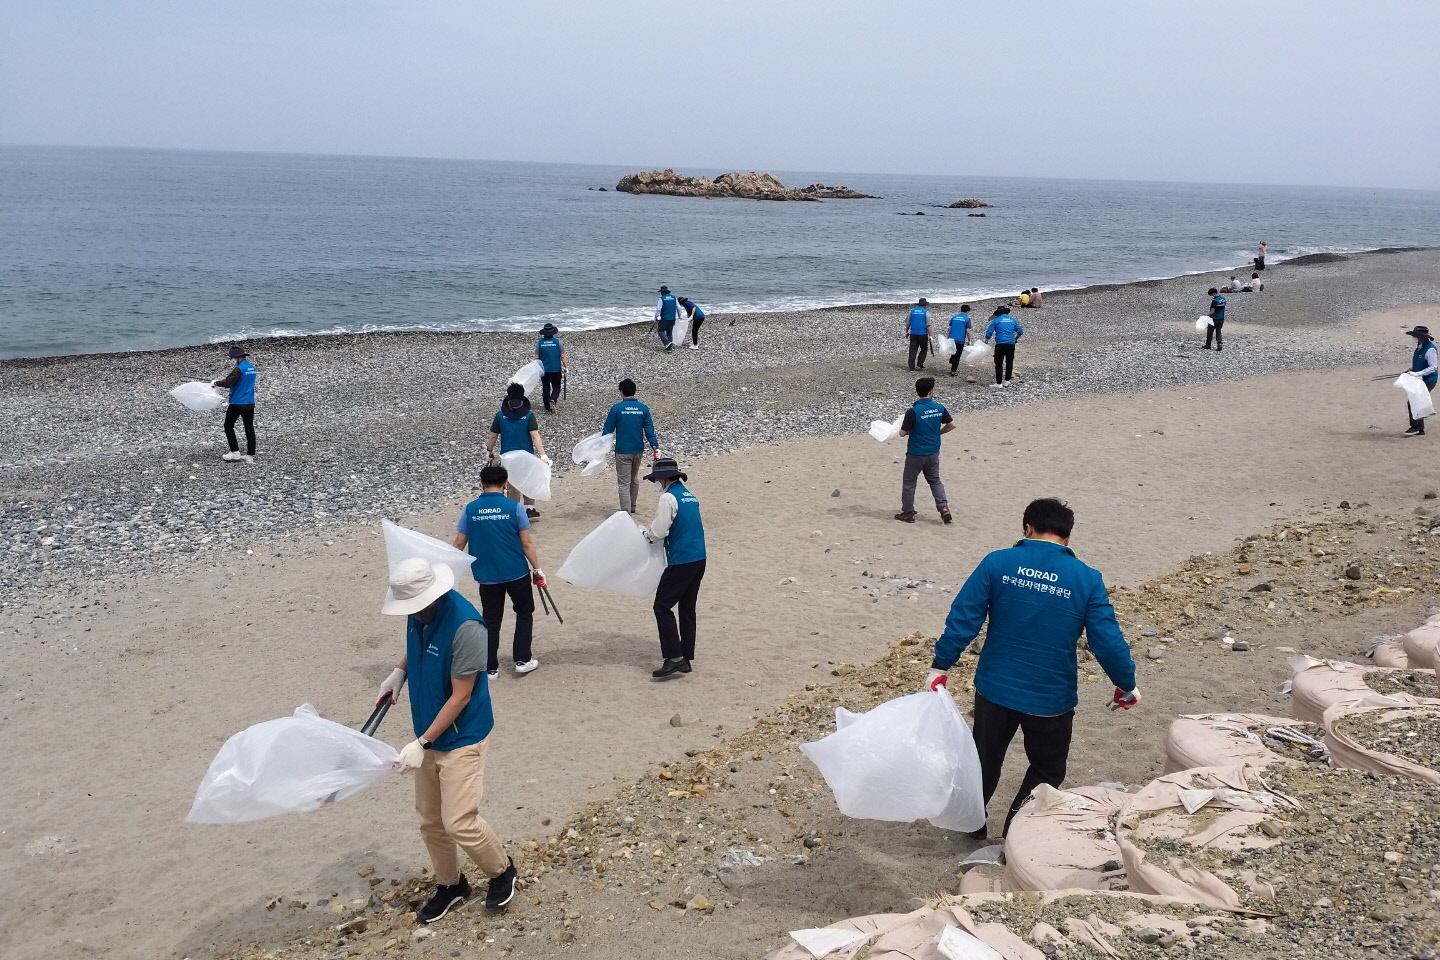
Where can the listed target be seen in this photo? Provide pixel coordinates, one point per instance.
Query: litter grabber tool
(376, 715)
(548, 603)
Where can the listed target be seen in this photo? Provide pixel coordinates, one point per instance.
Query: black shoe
(945, 515)
(1206, 347)
(982, 834)
(532, 513)
(445, 898)
(669, 347)
(906, 516)
(671, 667)
(502, 888)
(1412, 432)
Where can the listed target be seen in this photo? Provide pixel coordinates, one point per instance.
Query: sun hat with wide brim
(665, 469)
(415, 584)
(1423, 332)
(237, 352)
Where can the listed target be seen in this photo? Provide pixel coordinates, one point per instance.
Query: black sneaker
(945, 514)
(906, 516)
(502, 888)
(445, 898)
(532, 513)
(671, 667)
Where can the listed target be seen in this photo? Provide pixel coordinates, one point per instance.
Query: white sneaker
(527, 666)
(247, 458)
(232, 456)
(492, 674)
(694, 346)
(996, 386)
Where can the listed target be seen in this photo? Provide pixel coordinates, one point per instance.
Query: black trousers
(955, 357)
(1215, 329)
(1417, 425)
(919, 348)
(695, 330)
(550, 388)
(1047, 747)
(245, 413)
(679, 584)
(492, 608)
(1004, 361)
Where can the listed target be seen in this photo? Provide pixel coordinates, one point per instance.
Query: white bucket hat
(415, 584)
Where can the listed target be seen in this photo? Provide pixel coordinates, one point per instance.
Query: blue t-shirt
(515, 434)
(244, 389)
(919, 322)
(1005, 329)
(492, 523)
(630, 421)
(923, 422)
(1217, 307)
(959, 327)
(549, 350)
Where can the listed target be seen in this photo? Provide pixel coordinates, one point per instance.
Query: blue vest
(1217, 307)
(1418, 363)
(959, 328)
(924, 439)
(244, 390)
(1004, 329)
(492, 524)
(685, 543)
(918, 322)
(514, 434)
(427, 659)
(549, 351)
(669, 309)
(630, 421)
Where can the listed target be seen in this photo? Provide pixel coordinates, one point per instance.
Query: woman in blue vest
(1425, 364)
(697, 317)
(677, 522)
(515, 428)
(241, 384)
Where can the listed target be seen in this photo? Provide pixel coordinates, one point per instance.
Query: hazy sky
(1261, 91)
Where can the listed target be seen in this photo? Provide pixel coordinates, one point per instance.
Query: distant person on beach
(917, 328)
(1232, 287)
(515, 428)
(697, 317)
(451, 715)
(677, 523)
(667, 311)
(924, 424)
(553, 362)
(960, 333)
(241, 383)
(1425, 364)
(1038, 598)
(1024, 299)
(1217, 320)
(1035, 298)
(1260, 256)
(630, 421)
(1254, 284)
(1007, 332)
(496, 532)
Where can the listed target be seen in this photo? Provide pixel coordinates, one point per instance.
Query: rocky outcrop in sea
(746, 186)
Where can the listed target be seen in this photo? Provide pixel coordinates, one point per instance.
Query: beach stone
(1352, 572)
(1261, 588)
(1430, 494)
(677, 721)
(1155, 653)
(1239, 646)
(835, 492)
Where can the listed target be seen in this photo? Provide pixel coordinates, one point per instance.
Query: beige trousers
(628, 471)
(448, 788)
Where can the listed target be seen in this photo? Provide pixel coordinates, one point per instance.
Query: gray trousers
(627, 479)
(914, 466)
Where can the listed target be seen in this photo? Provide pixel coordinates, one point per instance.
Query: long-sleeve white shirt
(665, 512)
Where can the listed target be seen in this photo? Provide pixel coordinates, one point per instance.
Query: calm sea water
(111, 250)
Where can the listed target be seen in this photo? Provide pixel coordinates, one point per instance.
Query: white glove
(546, 461)
(937, 679)
(391, 687)
(411, 756)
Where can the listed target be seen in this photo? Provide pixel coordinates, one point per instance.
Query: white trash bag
(290, 765)
(975, 352)
(680, 333)
(1202, 323)
(911, 758)
(616, 556)
(196, 395)
(883, 431)
(592, 448)
(528, 473)
(528, 376)
(944, 347)
(1416, 395)
(592, 468)
(402, 543)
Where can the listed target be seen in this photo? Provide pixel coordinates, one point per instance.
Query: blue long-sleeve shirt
(1005, 329)
(630, 421)
(1038, 597)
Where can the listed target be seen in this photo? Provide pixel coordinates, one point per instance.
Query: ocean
(116, 250)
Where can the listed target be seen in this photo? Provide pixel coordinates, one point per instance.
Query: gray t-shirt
(468, 651)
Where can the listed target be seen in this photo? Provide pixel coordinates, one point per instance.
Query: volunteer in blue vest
(1038, 598)
(630, 421)
(917, 328)
(1007, 332)
(495, 531)
(677, 522)
(240, 381)
(1425, 364)
(697, 317)
(554, 364)
(1217, 320)
(515, 428)
(451, 715)
(667, 311)
(924, 423)
(960, 333)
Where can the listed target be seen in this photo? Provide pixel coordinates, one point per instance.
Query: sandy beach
(154, 601)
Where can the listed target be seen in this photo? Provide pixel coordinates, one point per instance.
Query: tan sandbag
(1349, 750)
(1226, 739)
(1391, 653)
(1320, 684)
(983, 878)
(1063, 839)
(1227, 803)
(1421, 645)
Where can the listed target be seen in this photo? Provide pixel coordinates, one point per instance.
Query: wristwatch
(424, 744)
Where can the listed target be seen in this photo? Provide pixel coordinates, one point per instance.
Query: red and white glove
(537, 577)
(936, 680)
(391, 687)
(1123, 700)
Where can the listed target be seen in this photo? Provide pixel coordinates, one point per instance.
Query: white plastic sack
(911, 758)
(616, 556)
(883, 431)
(528, 376)
(528, 473)
(290, 765)
(975, 352)
(592, 468)
(196, 395)
(1202, 323)
(402, 543)
(592, 448)
(680, 333)
(1416, 395)
(944, 347)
